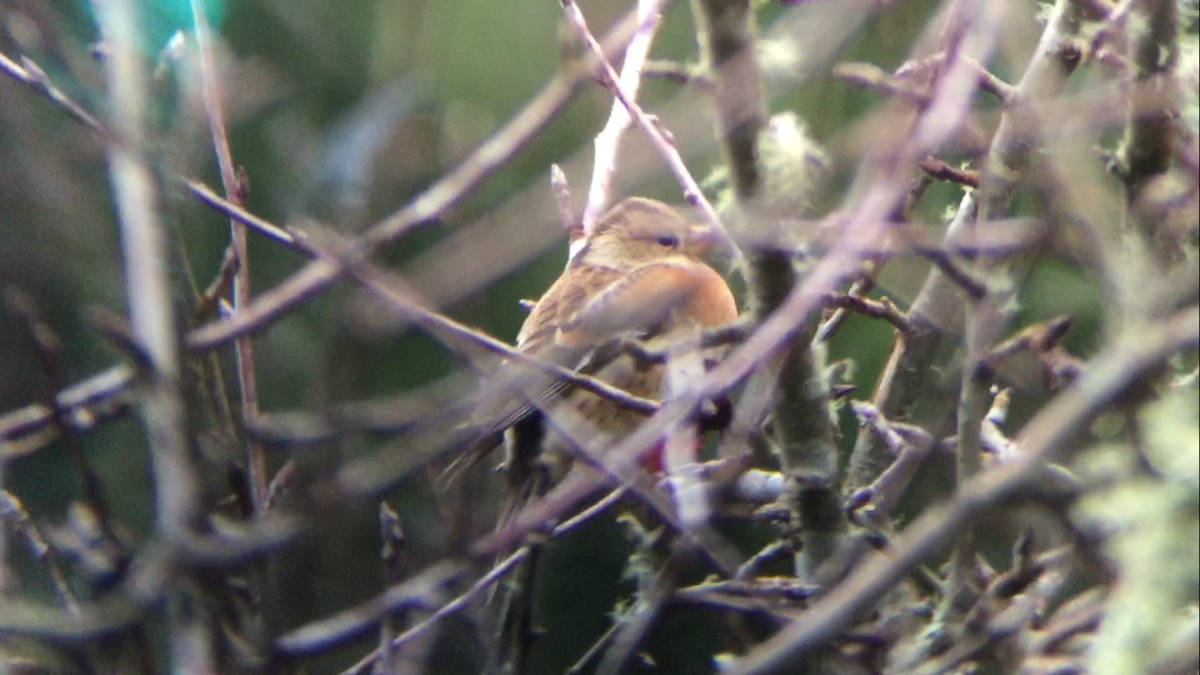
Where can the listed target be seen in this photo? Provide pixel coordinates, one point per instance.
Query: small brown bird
(638, 274)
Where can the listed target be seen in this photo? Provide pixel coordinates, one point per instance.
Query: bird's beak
(708, 244)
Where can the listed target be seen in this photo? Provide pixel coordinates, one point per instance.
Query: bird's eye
(669, 242)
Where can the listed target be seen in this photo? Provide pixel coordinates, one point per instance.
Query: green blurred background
(343, 111)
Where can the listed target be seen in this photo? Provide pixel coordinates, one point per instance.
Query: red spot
(654, 458)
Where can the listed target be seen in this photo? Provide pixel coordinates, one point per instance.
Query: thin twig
(562, 198)
(771, 588)
(34, 77)
(210, 79)
(608, 141)
(665, 146)
(238, 213)
(873, 78)
(146, 256)
(48, 347)
(936, 168)
(901, 83)
(13, 512)
(82, 406)
(421, 591)
(654, 592)
(714, 337)
(878, 309)
(987, 80)
(210, 300)
(910, 444)
(951, 270)
(776, 549)
(495, 574)
(598, 647)
(680, 73)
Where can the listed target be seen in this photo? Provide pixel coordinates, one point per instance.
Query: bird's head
(638, 231)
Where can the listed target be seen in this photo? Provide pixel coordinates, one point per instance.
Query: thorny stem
(248, 380)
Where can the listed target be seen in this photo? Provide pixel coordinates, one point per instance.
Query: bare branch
(664, 145)
(421, 591)
(146, 273)
(878, 309)
(1109, 376)
(608, 141)
(247, 379)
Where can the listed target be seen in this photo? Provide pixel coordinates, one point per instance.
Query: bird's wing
(517, 390)
(579, 320)
(571, 293)
(578, 323)
(646, 297)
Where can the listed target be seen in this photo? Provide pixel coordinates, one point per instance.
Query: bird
(641, 272)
